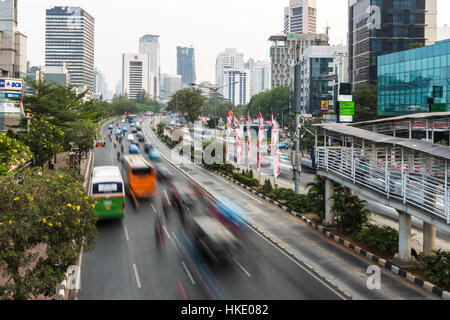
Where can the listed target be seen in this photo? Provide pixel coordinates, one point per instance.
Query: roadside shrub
(267, 187)
(249, 182)
(351, 214)
(437, 268)
(384, 239)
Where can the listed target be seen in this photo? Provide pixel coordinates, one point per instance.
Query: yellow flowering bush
(12, 153)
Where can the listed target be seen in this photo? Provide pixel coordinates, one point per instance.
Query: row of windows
(416, 77)
(415, 65)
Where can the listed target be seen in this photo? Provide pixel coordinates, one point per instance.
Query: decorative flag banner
(260, 140)
(275, 151)
(229, 126)
(249, 151)
(239, 143)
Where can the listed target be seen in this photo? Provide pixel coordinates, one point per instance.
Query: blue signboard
(2, 83)
(10, 95)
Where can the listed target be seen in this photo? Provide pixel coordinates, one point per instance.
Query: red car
(100, 144)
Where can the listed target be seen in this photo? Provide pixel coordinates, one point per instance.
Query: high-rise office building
(230, 59)
(149, 44)
(237, 89)
(260, 77)
(170, 84)
(13, 44)
(136, 77)
(381, 27)
(300, 17)
(69, 37)
(186, 65)
(287, 50)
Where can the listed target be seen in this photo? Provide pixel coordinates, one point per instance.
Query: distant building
(443, 32)
(413, 80)
(237, 90)
(300, 16)
(381, 27)
(100, 85)
(118, 88)
(59, 74)
(230, 59)
(205, 87)
(286, 50)
(13, 44)
(171, 84)
(149, 44)
(186, 65)
(260, 77)
(135, 75)
(74, 23)
(317, 65)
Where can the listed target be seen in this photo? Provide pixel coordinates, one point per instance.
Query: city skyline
(209, 38)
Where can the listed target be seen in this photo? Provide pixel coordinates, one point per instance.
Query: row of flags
(234, 123)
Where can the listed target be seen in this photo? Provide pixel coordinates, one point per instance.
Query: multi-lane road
(128, 262)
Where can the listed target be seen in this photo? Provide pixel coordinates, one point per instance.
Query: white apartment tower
(300, 16)
(13, 44)
(149, 44)
(69, 37)
(135, 74)
(260, 74)
(237, 83)
(230, 59)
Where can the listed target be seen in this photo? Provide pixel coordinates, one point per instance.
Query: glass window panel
(430, 63)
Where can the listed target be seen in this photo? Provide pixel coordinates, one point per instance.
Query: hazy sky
(209, 25)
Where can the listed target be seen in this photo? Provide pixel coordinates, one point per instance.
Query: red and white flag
(249, 151)
(229, 130)
(239, 143)
(260, 140)
(275, 151)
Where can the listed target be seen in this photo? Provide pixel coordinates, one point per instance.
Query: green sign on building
(438, 107)
(346, 108)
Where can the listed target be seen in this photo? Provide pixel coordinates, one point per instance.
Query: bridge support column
(329, 202)
(404, 237)
(429, 239)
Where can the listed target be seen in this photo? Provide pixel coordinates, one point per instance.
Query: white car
(123, 121)
(130, 138)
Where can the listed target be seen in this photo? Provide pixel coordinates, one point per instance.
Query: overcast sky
(210, 26)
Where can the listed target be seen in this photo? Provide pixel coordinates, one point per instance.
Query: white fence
(395, 172)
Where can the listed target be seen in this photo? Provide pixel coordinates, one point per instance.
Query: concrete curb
(374, 258)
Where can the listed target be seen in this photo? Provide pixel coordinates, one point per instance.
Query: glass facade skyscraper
(413, 80)
(379, 27)
(186, 65)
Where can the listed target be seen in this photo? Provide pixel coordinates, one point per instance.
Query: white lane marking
(165, 230)
(126, 233)
(242, 268)
(302, 267)
(188, 273)
(175, 237)
(153, 207)
(137, 276)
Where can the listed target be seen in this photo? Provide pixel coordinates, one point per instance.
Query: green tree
(44, 139)
(42, 210)
(276, 99)
(351, 213)
(82, 136)
(365, 98)
(12, 153)
(187, 101)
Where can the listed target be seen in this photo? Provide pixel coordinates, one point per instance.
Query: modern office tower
(69, 37)
(230, 59)
(118, 91)
(171, 83)
(300, 17)
(381, 27)
(100, 85)
(58, 74)
(13, 44)
(287, 50)
(136, 77)
(149, 44)
(260, 76)
(414, 81)
(317, 67)
(186, 65)
(237, 90)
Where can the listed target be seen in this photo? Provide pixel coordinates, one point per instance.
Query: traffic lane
(283, 278)
(125, 263)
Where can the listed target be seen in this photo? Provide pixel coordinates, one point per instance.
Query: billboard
(346, 108)
(11, 84)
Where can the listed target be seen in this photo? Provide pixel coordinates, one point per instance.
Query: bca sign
(11, 84)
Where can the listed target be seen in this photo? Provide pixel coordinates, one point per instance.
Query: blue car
(236, 216)
(125, 130)
(283, 145)
(154, 155)
(133, 125)
(133, 149)
(118, 132)
(110, 127)
(138, 134)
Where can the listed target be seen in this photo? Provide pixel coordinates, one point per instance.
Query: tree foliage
(216, 104)
(276, 99)
(12, 153)
(188, 101)
(42, 210)
(365, 97)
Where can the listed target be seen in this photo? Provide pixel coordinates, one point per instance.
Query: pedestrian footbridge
(408, 175)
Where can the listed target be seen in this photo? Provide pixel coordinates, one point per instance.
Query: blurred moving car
(164, 174)
(284, 145)
(110, 127)
(183, 198)
(154, 155)
(125, 129)
(130, 138)
(100, 144)
(140, 136)
(133, 149)
(147, 147)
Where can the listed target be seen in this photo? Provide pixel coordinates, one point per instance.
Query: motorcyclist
(118, 156)
(115, 144)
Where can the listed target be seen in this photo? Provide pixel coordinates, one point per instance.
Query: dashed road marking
(242, 268)
(126, 233)
(188, 273)
(137, 276)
